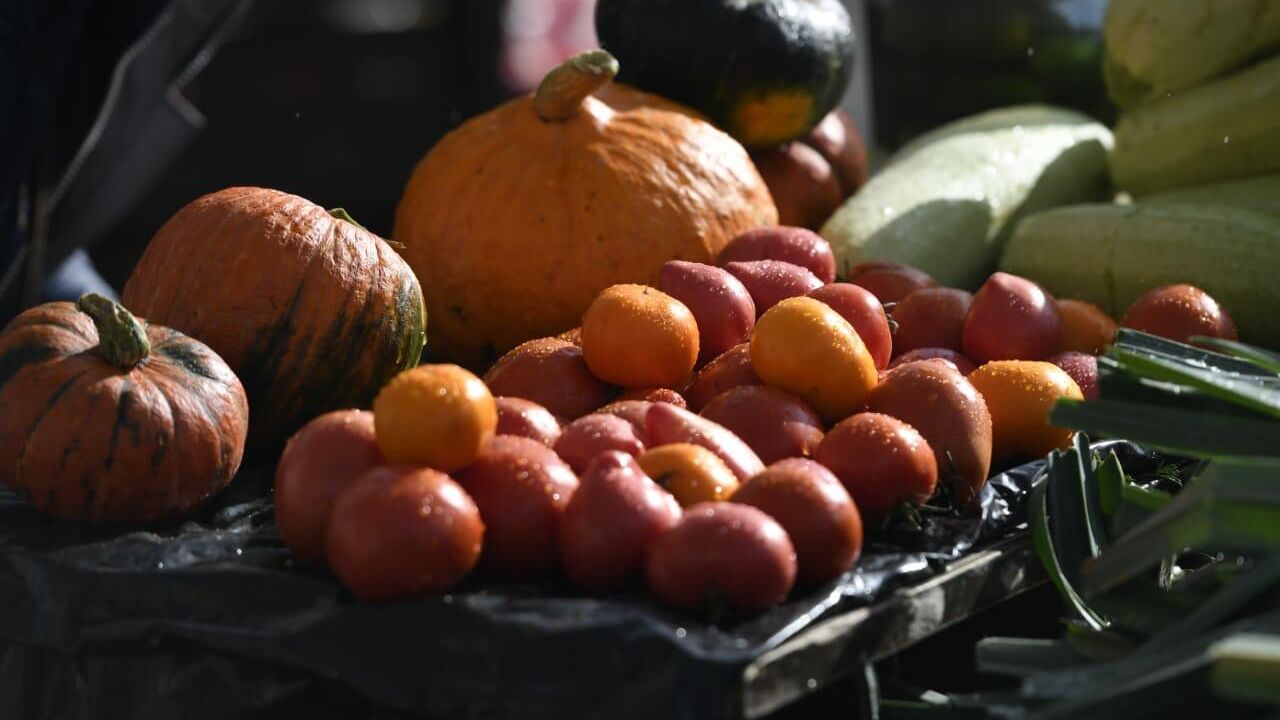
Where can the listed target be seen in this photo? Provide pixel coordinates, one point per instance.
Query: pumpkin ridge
(54, 397)
(270, 358)
(211, 417)
(126, 395)
(178, 352)
(16, 359)
(175, 487)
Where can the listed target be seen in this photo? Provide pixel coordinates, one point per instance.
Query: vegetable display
(110, 419)
(519, 217)
(312, 312)
(948, 204)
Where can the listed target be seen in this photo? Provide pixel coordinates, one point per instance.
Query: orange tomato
(637, 336)
(1019, 395)
(1086, 327)
(691, 473)
(804, 347)
(440, 416)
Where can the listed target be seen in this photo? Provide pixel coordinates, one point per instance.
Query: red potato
(889, 281)
(865, 313)
(653, 395)
(321, 459)
(1011, 318)
(883, 463)
(954, 358)
(399, 532)
(521, 488)
(837, 138)
(726, 550)
(552, 373)
(633, 411)
(612, 519)
(1179, 312)
(730, 370)
(802, 183)
(930, 318)
(667, 424)
(818, 514)
(1083, 368)
(721, 305)
(774, 423)
(772, 281)
(794, 245)
(949, 413)
(588, 436)
(526, 418)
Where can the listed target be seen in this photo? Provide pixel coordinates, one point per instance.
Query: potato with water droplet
(795, 245)
(719, 302)
(613, 518)
(583, 439)
(949, 413)
(521, 488)
(883, 463)
(552, 373)
(526, 418)
(730, 370)
(773, 422)
(772, 281)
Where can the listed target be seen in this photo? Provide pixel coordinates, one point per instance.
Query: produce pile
(643, 366)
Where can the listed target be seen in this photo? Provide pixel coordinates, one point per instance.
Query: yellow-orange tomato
(1086, 327)
(804, 347)
(637, 336)
(691, 473)
(1019, 395)
(440, 416)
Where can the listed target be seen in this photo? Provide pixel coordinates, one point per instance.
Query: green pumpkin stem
(121, 338)
(342, 214)
(560, 94)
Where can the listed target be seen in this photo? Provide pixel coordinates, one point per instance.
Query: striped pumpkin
(106, 420)
(312, 311)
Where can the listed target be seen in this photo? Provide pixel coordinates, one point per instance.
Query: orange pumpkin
(312, 311)
(518, 218)
(109, 421)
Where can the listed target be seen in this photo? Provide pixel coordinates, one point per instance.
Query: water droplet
(1226, 139)
(811, 683)
(681, 632)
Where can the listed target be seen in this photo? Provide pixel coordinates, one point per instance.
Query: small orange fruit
(1019, 395)
(440, 416)
(1086, 327)
(637, 336)
(691, 473)
(804, 347)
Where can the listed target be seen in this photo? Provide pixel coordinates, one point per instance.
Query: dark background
(334, 100)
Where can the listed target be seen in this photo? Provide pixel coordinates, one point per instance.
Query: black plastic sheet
(212, 618)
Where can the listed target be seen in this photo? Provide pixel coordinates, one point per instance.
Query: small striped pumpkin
(313, 312)
(107, 419)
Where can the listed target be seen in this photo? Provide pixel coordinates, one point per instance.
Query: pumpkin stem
(121, 338)
(342, 214)
(560, 94)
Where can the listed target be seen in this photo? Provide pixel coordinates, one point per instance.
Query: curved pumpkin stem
(560, 94)
(121, 338)
(342, 214)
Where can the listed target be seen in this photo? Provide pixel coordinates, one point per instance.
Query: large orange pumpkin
(518, 218)
(312, 311)
(109, 421)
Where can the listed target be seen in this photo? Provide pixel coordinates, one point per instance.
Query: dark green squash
(766, 71)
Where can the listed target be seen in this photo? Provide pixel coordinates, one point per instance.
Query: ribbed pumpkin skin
(514, 224)
(87, 440)
(313, 313)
